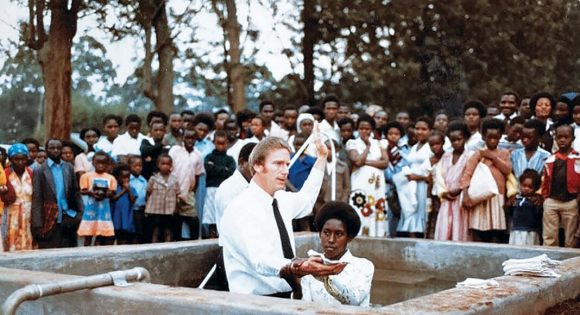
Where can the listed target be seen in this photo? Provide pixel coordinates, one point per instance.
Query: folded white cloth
(477, 283)
(539, 266)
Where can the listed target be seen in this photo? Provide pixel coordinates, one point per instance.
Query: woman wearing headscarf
(338, 224)
(17, 214)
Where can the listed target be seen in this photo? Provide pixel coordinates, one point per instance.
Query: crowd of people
(506, 173)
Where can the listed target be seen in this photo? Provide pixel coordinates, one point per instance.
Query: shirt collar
(50, 162)
(259, 192)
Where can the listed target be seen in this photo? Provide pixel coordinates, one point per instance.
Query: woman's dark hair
(533, 175)
(330, 98)
(391, 125)
(365, 118)
(341, 211)
(459, 125)
(315, 110)
(85, 130)
(205, 118)
(534, 101)
(243, 115)
(426, 120)
(492, 123)
(132, 118)
(155, 113)
(536, 124)
(345, 121)
(478, 105)
(116, 118)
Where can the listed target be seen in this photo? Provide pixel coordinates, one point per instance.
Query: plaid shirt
(163, 197)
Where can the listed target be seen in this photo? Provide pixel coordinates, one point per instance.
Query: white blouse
(352, 286)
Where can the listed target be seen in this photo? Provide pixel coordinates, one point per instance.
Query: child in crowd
(152, 148)
(128, 143)
(68, 153)
(526, 211)
(33, 146)
(122, 205)
(258, 129)
(111, 124)
(511, 140)
(414, 214)
(452, 217)
(487, 218)
(393, 132)
(187, 168)
(138, 183)
(218, 167)
(84, 161)
(300, 170)
(96, 189)
(346, 126)
(560, 189)
(40, 158)
(531, 155)
(576, 124)
(436, 143)
(162, 194)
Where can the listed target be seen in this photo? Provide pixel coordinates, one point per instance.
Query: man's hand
(321, 149)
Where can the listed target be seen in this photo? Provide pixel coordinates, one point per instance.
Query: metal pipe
(35, 291)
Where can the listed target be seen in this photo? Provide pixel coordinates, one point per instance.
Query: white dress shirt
(353, 284)
(234, 150)
(250, 238)
(226, 192)
(475, 142)
(125, 144)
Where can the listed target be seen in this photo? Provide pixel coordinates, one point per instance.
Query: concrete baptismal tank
(411, 277)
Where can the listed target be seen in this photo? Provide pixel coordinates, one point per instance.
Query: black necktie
(284, 238)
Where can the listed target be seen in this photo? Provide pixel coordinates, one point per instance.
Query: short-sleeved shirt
(91, 179)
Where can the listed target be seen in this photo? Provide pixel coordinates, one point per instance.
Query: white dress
(368, 188)
(352, 286)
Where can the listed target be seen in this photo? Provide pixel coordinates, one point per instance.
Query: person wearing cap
(338, 224)
(16, 223)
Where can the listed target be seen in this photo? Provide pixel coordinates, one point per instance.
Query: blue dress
(122, 212)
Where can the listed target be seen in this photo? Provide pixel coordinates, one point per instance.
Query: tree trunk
(308, 41)
(55, 60)
(152, 14)
(236, 75)
(166, 53)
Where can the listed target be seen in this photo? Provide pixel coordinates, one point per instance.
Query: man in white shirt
(508, 105)
(258, 250)
(235, 184)
(129, 143)
(328, 125)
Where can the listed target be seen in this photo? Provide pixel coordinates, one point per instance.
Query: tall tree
(54, 57)
(227, 13)
(152, 15)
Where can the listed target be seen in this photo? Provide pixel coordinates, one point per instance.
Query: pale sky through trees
(273, 36)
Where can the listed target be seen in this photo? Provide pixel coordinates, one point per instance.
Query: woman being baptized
(338, 224)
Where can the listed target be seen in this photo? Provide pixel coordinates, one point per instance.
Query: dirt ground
(569, 307)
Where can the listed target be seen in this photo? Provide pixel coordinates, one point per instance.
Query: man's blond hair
(264, 147)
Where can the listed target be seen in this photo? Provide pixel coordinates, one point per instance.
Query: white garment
(332, 131)
(576, 143)
(104, 145)
(253, 253)
(539, 266)
(501, 116)
(353, 284)
(226, 192)
(475, 142)
(209, 216)
(277, 131)
(234, 150)
(125, 144)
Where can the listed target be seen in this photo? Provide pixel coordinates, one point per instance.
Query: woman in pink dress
(452, 220)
